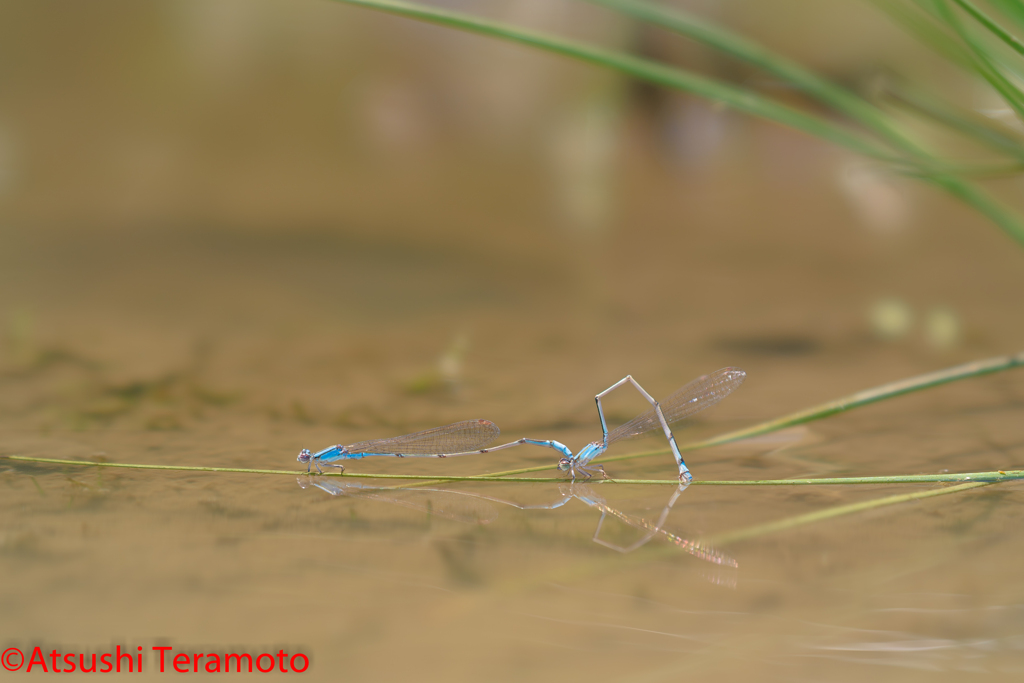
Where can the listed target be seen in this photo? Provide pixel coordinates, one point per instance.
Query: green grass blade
(862, 398)
(884, 392)
(739, 99)
(996, 137)
(959, 477)
(616, 563)
(1011, 9)
(997, 476)
(826, 92)
(926, 30)
(857, 400)
(984, 63)
(988, 22)
(761, 530)
(981, 201)
(979, 170)
(921, 163)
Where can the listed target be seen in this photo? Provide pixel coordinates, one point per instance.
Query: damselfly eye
(304, 455)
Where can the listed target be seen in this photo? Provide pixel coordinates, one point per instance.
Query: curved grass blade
(925, 29)
(1011, 9)
(857, 400)
(610, 565)
(862, 398)
(988, 22)
(760, 530)
(982, 130)
(842, 100)
(740, 99)
(984, 63)
(922, 163)
(981, 201)
(839, 98)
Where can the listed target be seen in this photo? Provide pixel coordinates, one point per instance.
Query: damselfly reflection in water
(448, 504)
(587, 495)
(469, 437)
(471, 507)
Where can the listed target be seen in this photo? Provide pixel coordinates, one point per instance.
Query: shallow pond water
(233, 230)
(237, 350)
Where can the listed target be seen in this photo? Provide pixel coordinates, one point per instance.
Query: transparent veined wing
(469, 435)
(699, 394)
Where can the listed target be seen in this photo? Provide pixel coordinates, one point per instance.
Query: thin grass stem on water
(996, 476)
(788, 523)
(861, 398)
(593, 567)
(840, 405)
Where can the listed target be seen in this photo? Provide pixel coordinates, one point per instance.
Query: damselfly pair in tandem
(472, 436)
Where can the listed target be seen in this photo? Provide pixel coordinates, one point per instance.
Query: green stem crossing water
(989, 477)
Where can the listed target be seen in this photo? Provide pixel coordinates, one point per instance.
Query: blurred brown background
(231, 229)
(190, 171)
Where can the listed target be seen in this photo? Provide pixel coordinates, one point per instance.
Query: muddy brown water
(235, 344)
(227, 349)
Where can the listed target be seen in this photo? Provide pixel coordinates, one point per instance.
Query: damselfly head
(564, 465)
(304, 455)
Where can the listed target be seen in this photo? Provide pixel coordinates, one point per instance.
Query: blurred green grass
(864, 126)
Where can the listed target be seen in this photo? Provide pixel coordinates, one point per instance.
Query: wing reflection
(476, 508)
(448, 504)
(586, 494)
